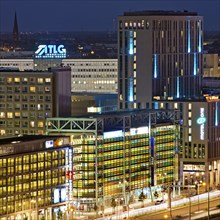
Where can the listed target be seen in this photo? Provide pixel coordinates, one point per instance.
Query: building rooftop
(25, 138)
(160, 13)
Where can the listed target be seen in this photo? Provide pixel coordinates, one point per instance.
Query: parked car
(159, 201)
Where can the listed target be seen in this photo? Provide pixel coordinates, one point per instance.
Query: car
(159, 201)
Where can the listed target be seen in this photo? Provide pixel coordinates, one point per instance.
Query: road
(196, 211)
(199, 206)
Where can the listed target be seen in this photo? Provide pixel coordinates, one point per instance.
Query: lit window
(2, 115)
(32, 124)
(190, 106)
(32, 89)
(48, 80)
(189, 114)
(190, 138)
(47, 89)
(190, 122)
(9, 80)
(161, 105)
(9, 115)
(39, 106)
(176, 105)
(40, 80)
(17, 114)
(17, 80)
(40, 124)
(190, 130)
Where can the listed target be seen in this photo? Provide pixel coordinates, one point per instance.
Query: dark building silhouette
(15, 32)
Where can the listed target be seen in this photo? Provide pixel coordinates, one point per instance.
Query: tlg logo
(50, 51)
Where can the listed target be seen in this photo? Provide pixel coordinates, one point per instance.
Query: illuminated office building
(118, 155)
(87, 75)
(33, 176)
(93, 75)
(27, 98)
(201, 143)
(159, 57)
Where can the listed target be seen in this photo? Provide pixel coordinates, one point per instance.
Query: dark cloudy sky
(89, 15)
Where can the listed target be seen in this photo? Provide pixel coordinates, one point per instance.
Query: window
(47, 89)
(17, 80)
(25, 80)
(40, 124)
(17, 114)
(32, 89)
(48, 80)
(9, 115)
(40, 80)
(32, 124)
(9, 80)
(2, 115)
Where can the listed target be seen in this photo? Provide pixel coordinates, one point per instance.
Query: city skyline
(94, 15)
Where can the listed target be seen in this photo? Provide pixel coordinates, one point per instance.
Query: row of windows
(25, 89)
(18, 80)
(91, 64)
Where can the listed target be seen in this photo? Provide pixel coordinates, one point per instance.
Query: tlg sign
(50, 52)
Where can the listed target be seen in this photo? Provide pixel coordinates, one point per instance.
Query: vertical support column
(96, 164)
(207, 175)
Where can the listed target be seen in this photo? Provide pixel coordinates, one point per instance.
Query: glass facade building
(122, 161)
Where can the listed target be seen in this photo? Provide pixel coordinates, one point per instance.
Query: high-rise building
(27, 98)
(159, 57)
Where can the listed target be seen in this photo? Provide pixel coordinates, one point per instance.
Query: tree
(60, 215)
(96, 209)
(113, 203)
(142, 197)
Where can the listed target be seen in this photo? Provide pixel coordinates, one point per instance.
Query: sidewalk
(119, 209)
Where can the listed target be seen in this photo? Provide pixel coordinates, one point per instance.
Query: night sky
(92, 15)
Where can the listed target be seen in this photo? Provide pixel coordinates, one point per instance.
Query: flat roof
(160, 13)
(26, 138)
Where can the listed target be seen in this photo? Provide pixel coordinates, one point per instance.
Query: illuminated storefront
(118, 155)
(33, 176)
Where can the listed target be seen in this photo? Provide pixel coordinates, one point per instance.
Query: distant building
(93, 75)
(15, 33)
(84, 103)
(21, 64)
(27, 98)
(35, 176)
(210, 62)
(87, 75)
(159, 57)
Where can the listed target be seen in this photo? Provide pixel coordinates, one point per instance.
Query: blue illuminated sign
(50, 52)
(201, 120)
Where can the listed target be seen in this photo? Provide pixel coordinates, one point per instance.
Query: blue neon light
(155, 66)
(195, 65)
(131, 45)
(131, 91)
(178, 87)
(216, 114)
(189, 49)
(200, 38)
(201, 120)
